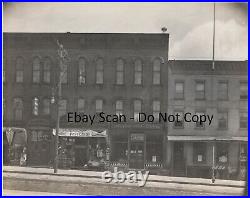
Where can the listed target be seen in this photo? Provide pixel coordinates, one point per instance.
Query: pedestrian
(23, 158)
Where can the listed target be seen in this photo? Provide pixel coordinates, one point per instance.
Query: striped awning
(206, 138)
(77, 132)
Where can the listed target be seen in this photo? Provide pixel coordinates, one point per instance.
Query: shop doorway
(136, 155)
(179, 163)
(81, 155)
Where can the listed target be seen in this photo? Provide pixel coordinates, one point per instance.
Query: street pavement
(91, 183)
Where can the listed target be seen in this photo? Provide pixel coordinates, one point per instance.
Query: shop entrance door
(179, 163)
(136, 155)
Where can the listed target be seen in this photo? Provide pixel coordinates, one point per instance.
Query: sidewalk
(90, 182)
(153, 178)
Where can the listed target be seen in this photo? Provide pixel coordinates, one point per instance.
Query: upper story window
(199, 151)
(64, 74)
(223, 90)
(99, 71)
(180, 122)
(200, 90)
(243, 120)
(243, 91)
(138, 72)
(200, 125)
(137, 109)
(81, 71)
(179, 90)
(119, 107)
(46, 106)
(81, 105)
(62, 107)
(222, 120)
(99, 106)
(18, 109)
(46, 70)
(36, 70)
(119, 72)
(35, 106)
(19, 70)
(157, 71)
(156, 109)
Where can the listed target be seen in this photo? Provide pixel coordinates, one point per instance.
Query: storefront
(137, 146)
(82, 148)
(40, 142)
(14, 144)
(196, 156)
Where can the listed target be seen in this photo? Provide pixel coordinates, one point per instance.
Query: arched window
(36, 70)
(138, 72)
(81, 71)
(46, 70)
(137, 109)
(99, 71)
(119, 72)
(18, 109)
(157, 71)
(46, 106)
(119, 107)
(19, 70)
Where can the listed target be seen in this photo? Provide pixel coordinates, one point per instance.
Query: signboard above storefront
(72, 132)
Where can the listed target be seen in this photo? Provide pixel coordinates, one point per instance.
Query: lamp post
(63, 62)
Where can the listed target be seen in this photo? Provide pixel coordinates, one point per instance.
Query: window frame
(156, 72)
(138, 71)
(122, 71)
(37, 70)
(196, 91)
(18, 69)
(176, 95)
(79, 72)
(220, 97)
(97, 70)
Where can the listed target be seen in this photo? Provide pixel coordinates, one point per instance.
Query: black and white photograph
(124, 98)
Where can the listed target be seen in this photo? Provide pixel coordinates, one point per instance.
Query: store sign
(137, 137)
(77, 133)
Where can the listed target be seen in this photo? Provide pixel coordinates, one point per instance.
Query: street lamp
(63, 62)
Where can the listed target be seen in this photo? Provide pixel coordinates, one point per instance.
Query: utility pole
(212, 82)
(63, 63)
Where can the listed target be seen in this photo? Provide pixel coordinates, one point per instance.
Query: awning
(76, 132)
(206, 138)
(19, 135)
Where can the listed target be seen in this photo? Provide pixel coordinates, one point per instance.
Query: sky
(190, 25)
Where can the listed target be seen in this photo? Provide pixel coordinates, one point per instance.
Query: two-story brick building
(222, 91)
(111, 73)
